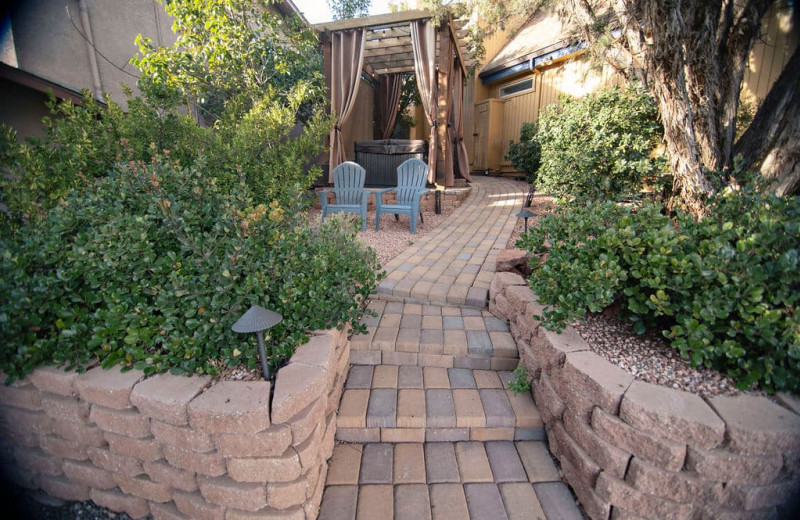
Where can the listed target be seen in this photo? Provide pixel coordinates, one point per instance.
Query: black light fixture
(526, 214)
(258, 319)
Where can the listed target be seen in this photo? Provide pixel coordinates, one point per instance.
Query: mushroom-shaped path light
(258, 319)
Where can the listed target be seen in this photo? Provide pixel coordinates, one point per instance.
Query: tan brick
(473, 464)
(375, 501)
(360, 435)
(233, 407)
(491, 434)
(27, 397)
(166, 512)
(110, 388)
(435, 360)
(89, 474)
(223, 491)
(410, 408)
(143, 487)
(63, 448)
(521, 501)
(54, 380)
(171, 477)
(63, 408)
(394, 435)
(210, 464)
(285, 495)
(435, 377)
(353, 409)
(275, 469)
(86, 434)
(677, 486)
(676, 415)
(384, 376)
(345, 464)
(609, 457)
(408, 340)
(272, 441)
(537, 461)
(193, 506)
(267, 513)
(487, 379)
(147, 449)
(123, 422)
(103, 458)
(618, 493)
(37, 460)
(756, 423)
(660, 452)
(182, 436)
(729, 466)
(400, 358)
(63, 488)
(409, 463)
(525, 411)
(118, 501)
(165, 397)
(469, 409)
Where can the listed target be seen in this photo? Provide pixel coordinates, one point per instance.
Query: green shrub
(599, 147)
(526, 155)
(724, 290)
(150, 266)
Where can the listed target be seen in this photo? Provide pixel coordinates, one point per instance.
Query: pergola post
(444, 162)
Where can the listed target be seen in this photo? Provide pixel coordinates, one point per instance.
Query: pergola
(385, 47)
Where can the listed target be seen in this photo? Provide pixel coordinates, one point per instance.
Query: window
(515, 88)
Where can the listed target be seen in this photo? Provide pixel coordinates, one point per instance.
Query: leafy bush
(526, 154)
(724, 290)
(150, 266)
(599, 147)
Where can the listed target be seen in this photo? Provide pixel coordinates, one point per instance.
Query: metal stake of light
(258, 319)
(526, 214)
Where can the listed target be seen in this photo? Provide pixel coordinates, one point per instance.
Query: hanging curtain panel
(347, 60)
(423, 43)
(388, 102)
(456, 129)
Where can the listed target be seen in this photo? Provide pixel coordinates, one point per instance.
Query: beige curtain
(423, 43)
(388, 101)
(347, 59)
(446, 70)
(456, 128)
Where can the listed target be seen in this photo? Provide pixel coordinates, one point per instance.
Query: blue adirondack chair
(411, 178)
(348, 188)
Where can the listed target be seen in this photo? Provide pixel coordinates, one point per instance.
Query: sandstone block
(63, 448)
(742, 496)
(285, 468)
(304, 423)
(86, 434)
(296, 387)
(502, 307)
(270, 442)
(182, 437)
(519, 296)
(609, 457)
(503, 280)
(63, 408)
(317, 352)
(660, 452)
(24, 426)
(552, 348)
(310, 450)
(586, 468)
(171, 477)
(38, 461)
(54, 380)
(166, 511)
(618, 493)
(547, 400)
(232, 407)
(166, 397)
(110, 388)
(147, 449)
(673, 414)
(88, 474)
(286, 495)
(123, 422)
(223, 491)
(757, 424)
(729, 466)
(587, 380)
(60, 487)
(114, 500)
(143, 487)
(210, 464)
(267, 513)
(27, 397)
(524, 327)
(194, 506)
(510, 259)
(678, 486)
(596, 508)
(104, 459)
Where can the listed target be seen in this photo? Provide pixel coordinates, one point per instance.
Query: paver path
(428, 428)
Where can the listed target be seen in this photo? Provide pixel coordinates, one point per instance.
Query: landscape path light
(258, 319)
(526, 214)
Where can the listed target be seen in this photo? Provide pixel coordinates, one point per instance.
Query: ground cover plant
(724, 290)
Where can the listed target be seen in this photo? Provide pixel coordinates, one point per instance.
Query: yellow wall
(779, 35)
(359, 126)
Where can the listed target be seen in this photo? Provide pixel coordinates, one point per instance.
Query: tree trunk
(781, 166)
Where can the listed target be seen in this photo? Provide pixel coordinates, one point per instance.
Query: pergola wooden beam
(373, 21)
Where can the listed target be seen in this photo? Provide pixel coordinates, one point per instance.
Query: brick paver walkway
(427, 427)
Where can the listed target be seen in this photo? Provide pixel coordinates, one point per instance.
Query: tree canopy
(344, 9)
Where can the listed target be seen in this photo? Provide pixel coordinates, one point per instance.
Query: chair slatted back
(348, 183)
(411, 176)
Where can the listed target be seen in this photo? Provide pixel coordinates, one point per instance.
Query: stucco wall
(630, 449)
(177, 447)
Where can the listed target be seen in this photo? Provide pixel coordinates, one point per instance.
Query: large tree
(692, 55)
(344, 9)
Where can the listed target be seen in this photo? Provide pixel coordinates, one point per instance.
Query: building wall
(22, 108)
(779, 38)
(359, 126)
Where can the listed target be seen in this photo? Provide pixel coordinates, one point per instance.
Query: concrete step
(477, 480)
(434, 335)
(406, 403)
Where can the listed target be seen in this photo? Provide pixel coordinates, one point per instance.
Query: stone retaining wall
(176, 447)
(630, 449)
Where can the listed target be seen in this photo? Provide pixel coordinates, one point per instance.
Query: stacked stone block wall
(632, 450)
(179, 447)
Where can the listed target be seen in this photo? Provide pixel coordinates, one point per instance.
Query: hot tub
(382, 157)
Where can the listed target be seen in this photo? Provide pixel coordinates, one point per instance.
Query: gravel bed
(28, 505)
